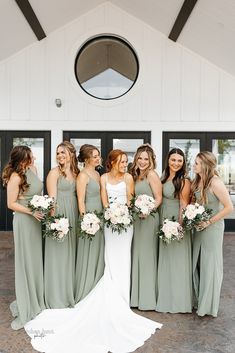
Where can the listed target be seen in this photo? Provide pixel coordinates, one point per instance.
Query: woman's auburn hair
(20, 159)
(134, 170)
(179, 178)
(68, 146)
(208, 171)
(113, 159)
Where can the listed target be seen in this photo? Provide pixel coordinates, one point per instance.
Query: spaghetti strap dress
(27, 232)
(144, 256)
(59, 263)
(90, 254)
(208, 262)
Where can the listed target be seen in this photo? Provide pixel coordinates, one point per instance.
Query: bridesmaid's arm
(82, 180)
(221, 192)
(104, 195)
(184, 197)
(13, 189)
(130, 189)
(51, 183)
(156, 186)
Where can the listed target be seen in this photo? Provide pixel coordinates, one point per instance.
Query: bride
(103, 320)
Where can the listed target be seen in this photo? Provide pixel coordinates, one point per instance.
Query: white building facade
(176, 90)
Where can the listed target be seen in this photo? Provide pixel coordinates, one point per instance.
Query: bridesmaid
(145, 242)
(209, 190)
(59, 262)
(90, 254)
(22, 182)
(175, 262)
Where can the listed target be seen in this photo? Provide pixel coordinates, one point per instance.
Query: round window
(106, 67)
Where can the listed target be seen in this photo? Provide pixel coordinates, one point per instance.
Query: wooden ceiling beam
(181, 19)
(31, 18)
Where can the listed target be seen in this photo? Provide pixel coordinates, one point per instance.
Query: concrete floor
(181, 333)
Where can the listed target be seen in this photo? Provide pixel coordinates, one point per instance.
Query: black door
(222, 144)
(40, 143)
(127, 141)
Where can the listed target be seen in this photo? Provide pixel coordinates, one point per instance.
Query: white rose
(200, 209)
(190, 213)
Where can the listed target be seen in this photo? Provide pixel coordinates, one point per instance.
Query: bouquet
(143, 205)
(41, 203)
(170, 230)
(193, 215)
(118, 217)
(89, 225)
(56, 227)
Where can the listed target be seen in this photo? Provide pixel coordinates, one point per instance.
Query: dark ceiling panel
(182, 18)
(31, 18)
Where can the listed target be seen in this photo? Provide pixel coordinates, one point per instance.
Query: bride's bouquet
(41, 203)
(170, 230)
(143, 205)
(89, 225)
(118, 217)
(56, 227)
(194, 214)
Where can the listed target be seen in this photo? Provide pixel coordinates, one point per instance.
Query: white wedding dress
(103, 321)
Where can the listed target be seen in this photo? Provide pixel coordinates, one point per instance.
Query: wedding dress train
(103, 321)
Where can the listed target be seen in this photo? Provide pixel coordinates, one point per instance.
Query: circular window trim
(106, 36)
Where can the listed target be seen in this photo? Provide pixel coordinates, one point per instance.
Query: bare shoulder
(152, 174)
(103, 178)
(216, 182)
(15, 178)
(54, 173)
(187, 182)
(83, 176)
(128, 177)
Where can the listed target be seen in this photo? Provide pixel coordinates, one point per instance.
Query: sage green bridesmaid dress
(90, 254)
(59, 262)
(208, 262)
(144, 256)
(175, 262)
(28, 259)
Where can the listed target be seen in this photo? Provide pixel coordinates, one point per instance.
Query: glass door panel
(190, 147)
(224, 150)
(105, 141)
(78, 142)
(222, 144)
(40, 143)
(128, 145)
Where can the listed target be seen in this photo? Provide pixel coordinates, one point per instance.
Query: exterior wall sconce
(58, 102)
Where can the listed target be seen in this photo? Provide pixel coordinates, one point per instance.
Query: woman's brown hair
(73, 163)
(113, 158)
(179, 178)
(86, 152)
(208, 165)
(134, 170)
(20, 159)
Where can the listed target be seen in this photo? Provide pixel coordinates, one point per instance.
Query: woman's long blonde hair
(208, 165)
(134, 170)
(73, 162)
